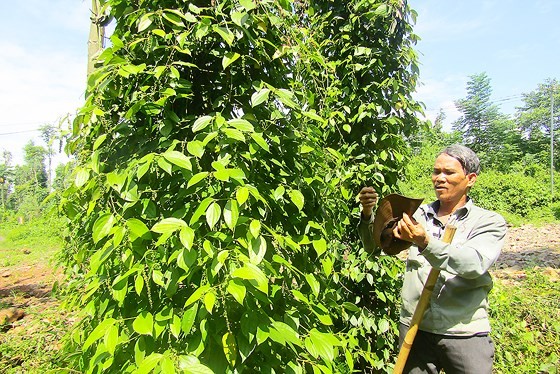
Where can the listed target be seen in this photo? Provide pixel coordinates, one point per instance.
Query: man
(453, 334)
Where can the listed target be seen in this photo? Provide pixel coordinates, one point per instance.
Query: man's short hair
(466, 157)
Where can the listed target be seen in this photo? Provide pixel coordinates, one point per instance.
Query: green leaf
(255, 228)
(281, 332)
(98, 332)
(225, 34)
(314, 116)
(229, 59)
(174, 17)
(320, 344)
(383, 326)
(188, 319)
(242, 194)
(138, 229)
(239, 18)
(248, 4)
(179, 159)
(351, 307)
(201, 123)
(198, 368)
(278, 192)
(157, 277)
(231, 214)
(111, 339)
(213, 214)
(197, 294)
(237, 290)
(320, 246)
(230, 348)
(82, 176)
(200, 210)
(149, 363)
(209, 301)
(286, 97)
(197, 178)
(164, 165)
(257, 250)
(259, 97)
(139, 284)
(175, 326)
(241, 124)
(313, 283)
(195, 148)
(186, 235)
(234, 134)
(167, 366)
(185, 259)
(168, 225)
(251, 272)
(143, 323)
(322, 314)
(258, 138)
(99, 141)
(297, 198)
(102, 226)
(145, 22)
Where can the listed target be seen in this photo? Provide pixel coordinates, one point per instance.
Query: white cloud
(42, 68)
(441, 93)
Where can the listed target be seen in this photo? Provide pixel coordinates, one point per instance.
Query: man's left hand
(411, 231)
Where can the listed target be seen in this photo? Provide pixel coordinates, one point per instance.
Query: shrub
(513, 193)
(212, 212)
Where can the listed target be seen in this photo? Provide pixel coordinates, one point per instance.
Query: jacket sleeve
(473, 257)
(365, 230)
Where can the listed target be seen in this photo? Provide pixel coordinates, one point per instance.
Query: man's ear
(472, 178)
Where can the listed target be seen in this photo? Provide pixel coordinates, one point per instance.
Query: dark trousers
(432, 352)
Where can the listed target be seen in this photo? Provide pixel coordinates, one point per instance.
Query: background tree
(48, 134)
(533, 119)
(30, 182)
(210, 202)
(6, 175)
(478, 112)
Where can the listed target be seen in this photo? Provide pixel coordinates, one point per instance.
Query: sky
(43, 58)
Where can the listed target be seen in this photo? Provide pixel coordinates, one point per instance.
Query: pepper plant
(212, 214)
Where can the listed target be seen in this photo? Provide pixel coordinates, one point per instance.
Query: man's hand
(368, 199)
(411, 231)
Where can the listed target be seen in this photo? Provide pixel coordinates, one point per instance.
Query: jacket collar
(432, 208)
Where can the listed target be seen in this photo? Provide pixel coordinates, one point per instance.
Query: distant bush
(514, 193)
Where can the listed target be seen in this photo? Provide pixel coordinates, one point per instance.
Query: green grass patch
(32, 345)
(31, 242)
(525, 317)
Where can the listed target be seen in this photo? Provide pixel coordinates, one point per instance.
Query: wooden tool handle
(421, 307)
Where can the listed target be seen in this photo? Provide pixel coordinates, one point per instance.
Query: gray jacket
(459, 302)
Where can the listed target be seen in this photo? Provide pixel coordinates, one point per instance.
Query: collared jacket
(459, 302)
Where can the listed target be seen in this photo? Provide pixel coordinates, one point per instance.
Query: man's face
(449, 179)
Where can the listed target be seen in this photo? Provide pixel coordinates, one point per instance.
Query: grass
(525, 317)
(31, 344)
(525, 313)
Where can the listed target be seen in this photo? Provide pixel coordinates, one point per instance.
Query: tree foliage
(219, 152)
(478, 112)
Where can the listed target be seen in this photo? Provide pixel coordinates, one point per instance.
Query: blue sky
(517, 43)
(43, 57)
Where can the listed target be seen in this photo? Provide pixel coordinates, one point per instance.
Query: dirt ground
(526, 247)
(28, 288)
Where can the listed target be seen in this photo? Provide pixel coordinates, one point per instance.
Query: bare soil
(28, 287)
(530, 247)
(526, 247)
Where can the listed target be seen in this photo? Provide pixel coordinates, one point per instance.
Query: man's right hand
(368, 199)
